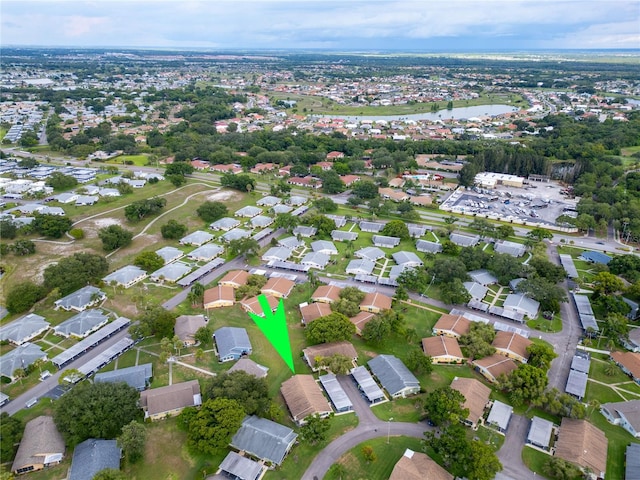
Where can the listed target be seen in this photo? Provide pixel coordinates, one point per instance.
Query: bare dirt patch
(225, 196)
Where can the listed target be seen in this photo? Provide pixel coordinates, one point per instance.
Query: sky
(426, 25)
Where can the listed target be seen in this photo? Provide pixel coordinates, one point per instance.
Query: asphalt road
(510, 454)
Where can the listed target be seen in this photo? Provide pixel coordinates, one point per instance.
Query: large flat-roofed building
(492, 180)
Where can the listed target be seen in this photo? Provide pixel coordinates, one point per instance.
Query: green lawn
(619, 439)
(137, 160)
(601, 393)
(387, 455)
(535, 460)
(597, 373)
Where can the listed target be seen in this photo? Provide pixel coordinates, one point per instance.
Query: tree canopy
(11, 429)
(445, 406)
(140, 209)
(330, 328)
(156, 322)
(114, 237)
(396, 228)
(96, 410)
(54, 226)
(148, 261)
(210, 428)
(251, 392)
(211, 211)
(173, 230)
(74, 272)
(22, 296)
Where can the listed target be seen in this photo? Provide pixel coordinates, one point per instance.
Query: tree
(538, 234)
(149, 261)
(445, 406)
(23, 247)
(315, 429)
(156, 322)
(446, 269)
(540, 289)
(559, 469)
(505, 267)
(132, 441)
(59, 181)
(73, 273)
(605, 283)
(173, 230)
(243, 246)
(337, 364)
(54, 226)
(242, 182)
(376, 330)
(114, 237)
(110, 474)
(483, 227)
(525, 384)
(478, 340)
(369, 454)
(179, 168)
(548, 270)
(483, 464)
(396, 228)
(325, 205)
(331, 182)
(249, 391)
(286, 221)
(198, 292)
(325, 225)
(11, 429)
(210, 429)
(140, 209)
(8, 229)
(504, 231)
(23, 296)
(212, 211)
(452, 446)
(417, 361)
(616, 326)
(541, 355)
(454, 292)
(177, 180)
(365, 190)
(96, 410)
(330, 328)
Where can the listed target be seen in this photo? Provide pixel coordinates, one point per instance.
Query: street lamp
(389, 429)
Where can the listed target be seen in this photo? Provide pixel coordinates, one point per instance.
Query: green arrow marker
(274, 327)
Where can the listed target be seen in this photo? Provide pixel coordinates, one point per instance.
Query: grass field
(137, 160)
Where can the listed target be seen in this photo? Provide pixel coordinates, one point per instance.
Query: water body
(455, 114)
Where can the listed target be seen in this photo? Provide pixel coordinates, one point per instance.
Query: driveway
(510, 454)
(369, 427)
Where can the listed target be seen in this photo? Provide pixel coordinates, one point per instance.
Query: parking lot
(538, 202)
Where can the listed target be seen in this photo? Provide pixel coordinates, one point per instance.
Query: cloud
(336, 24)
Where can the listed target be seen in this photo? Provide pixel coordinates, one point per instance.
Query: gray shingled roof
(426, 246)
(340, 235)
(290, 242)
(374, 227)
(386, 241)
(305, 231)
(171, 272)
(277, 253)
(370, 253)
(80, 299)
(20, 357)
(510, 248)
(248, 211)
(82, 324)
(264, 439)
(316, 259)
(196, 238)
(125, 275)
(360, 266)
(241, 467)
(169, 254)
(261, 221)
(206, 252)
(483, 277)
(281, 209)
(225, 223)
(392, 373)
(410, 258)
(540, 432)
(93, 455)
(269, 201)
(464, 240)
(232, 341)
(632, 471)
(236, 234)
(23, 329)
(324, 246)
(137, 376)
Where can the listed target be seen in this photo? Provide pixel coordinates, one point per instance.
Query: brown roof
(418, 466)
(328, 350)
(253, 304)
(421, 200)
(453, 323)
(476, 394)
(249, 366)
(629, 360)
(187, 326)
(440, 346)
(329, 292)
(582, 443)
(171, 397)
(496, 364)
(361, 319)
(512, 342)
(378, 300)
(280, 285)
(40, 438)
(303, 397)
(237, 277)
(221, 292)
(314, 310)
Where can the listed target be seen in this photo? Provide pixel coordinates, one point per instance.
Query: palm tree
(610, 369)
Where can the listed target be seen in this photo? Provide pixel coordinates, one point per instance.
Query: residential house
(232, 343)
(219, 296)
(339, 220)
(385, 241)
(349, 180)
(483, 277)
(305, 231)
(278, 287)
(261, 221)
(81, 299)
(170, 254)
(464, 240)
(375, 302)
(196, 238)
(92, 456)
(500, 416)
(20, 357)
(249, 366)
(186, 327)
(263, 168)
(361, 319)
(477, 291)
(41, 446)
(370, 253)
(238, 467)
(418, 466)
(304, 398)
(235, 234)
(268, 201)
(138, 376)
(263, 439)
(632, 462)
(326, 294)
(234, 279)
(629, 362)
(394, 376)
(227, 168)
(297, 200)
(595, 257)
(371, 227)
(442, 349)
(324, 350)
(82, 324)
(428, 247)
(626, 414)
(126, 276)
(252, 305)
(171, 272)
(583, 444)
(205, 253)
(493, 366)
(476, 396)
(324, 246)
(510, 248)
(407, 259)
(313, 311)
(334, 155)
(512, 345)
(393, 195)
(290, 242)
(162, 402)
(421, 200)
(24, 329)
(225, 224)
(452, 325)
(360, 267)
(308, 181)
(540, 432)
(316, 260)
(633, 342)
(342, 236)
(520, 303)
(278, 209)
(367, 385)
